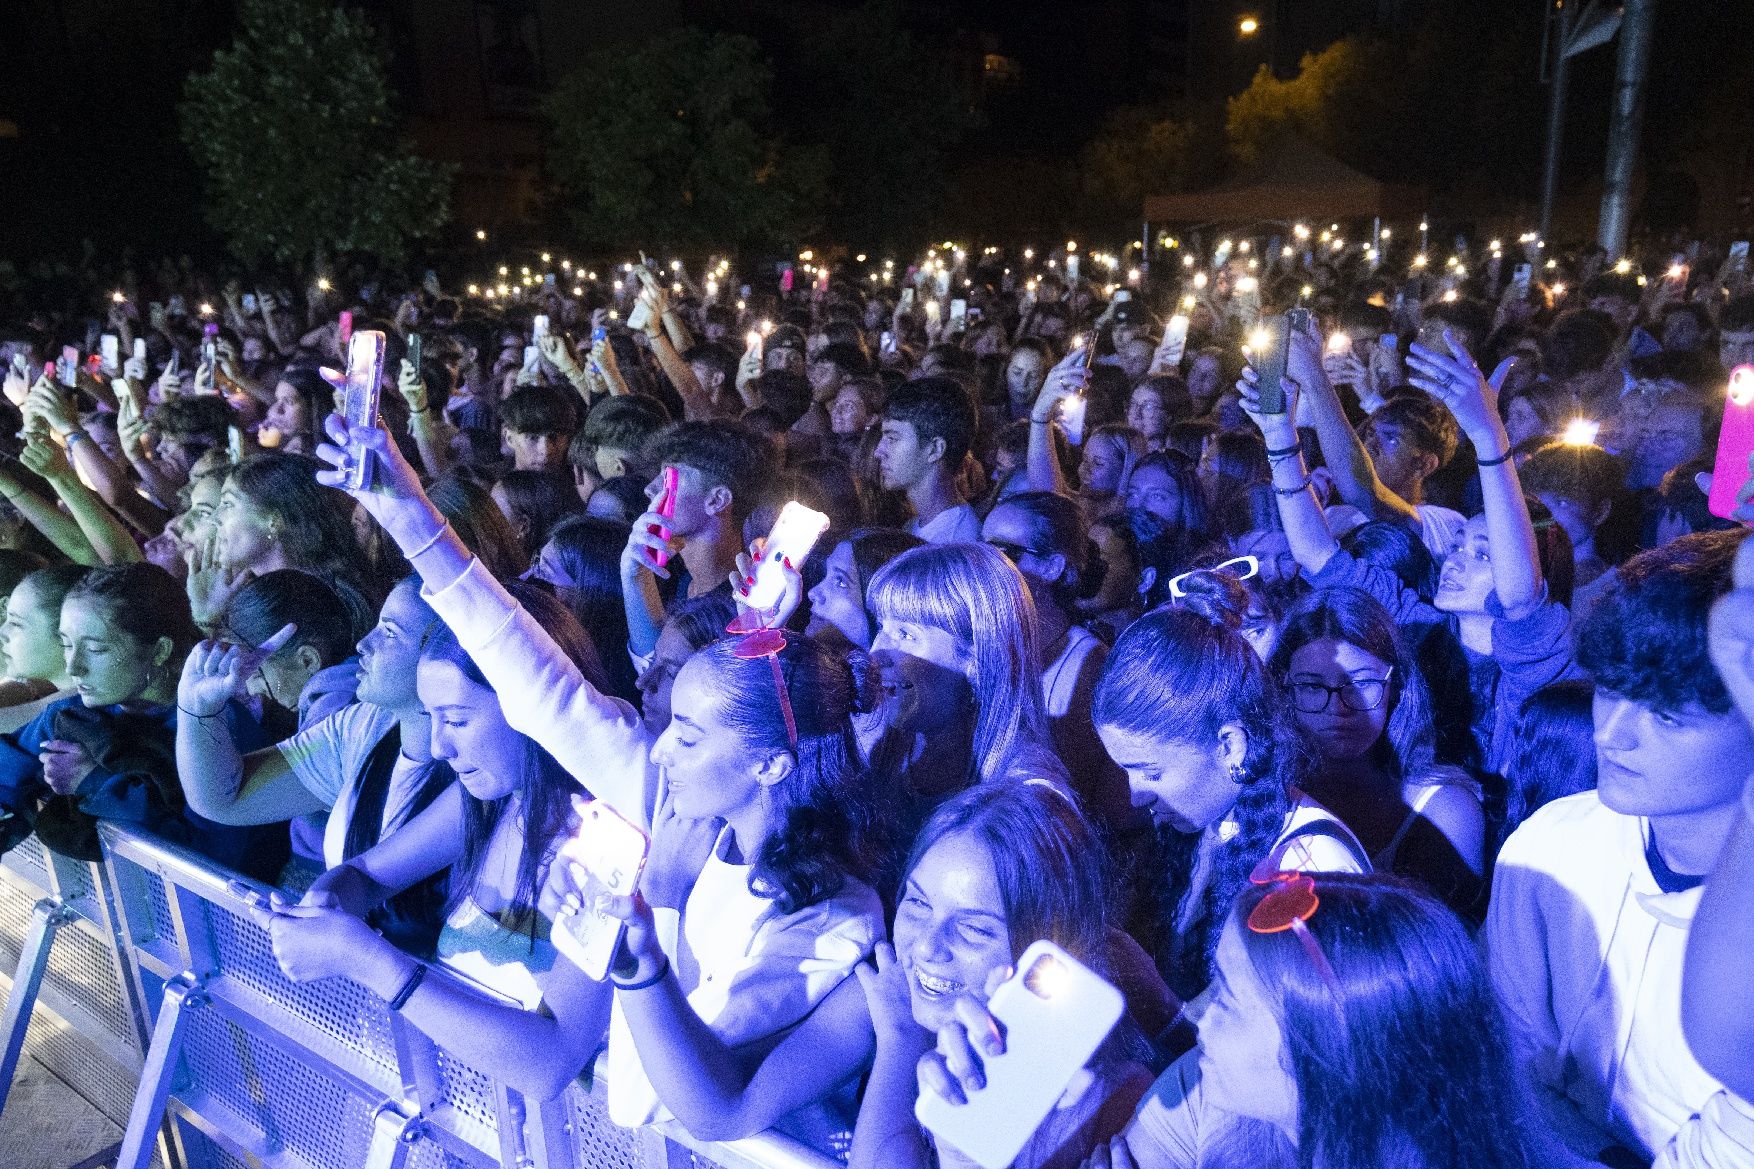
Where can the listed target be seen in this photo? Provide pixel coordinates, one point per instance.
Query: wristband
(1034, 421)
(654, 979)
(1288, 492)
(427, 547)
(199, 717)
(74, 436)
(1295, 448)
(415, 978)
(1499, 461)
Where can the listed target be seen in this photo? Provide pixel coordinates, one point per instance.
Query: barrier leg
(46, 919)
(147, 1115)
(393, 1134)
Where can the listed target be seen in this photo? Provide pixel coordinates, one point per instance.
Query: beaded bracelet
(1288, 492)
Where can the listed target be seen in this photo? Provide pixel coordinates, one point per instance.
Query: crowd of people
(1366, 725)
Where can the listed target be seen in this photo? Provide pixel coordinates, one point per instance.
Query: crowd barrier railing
(244, 1067)
(74, 1001)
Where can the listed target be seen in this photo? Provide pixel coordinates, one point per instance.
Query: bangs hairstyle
(544, 787)
(1046, 860)
(973, 593)
(1415, 1020)
(1645, 637)
(826, 809)
(1353, 616)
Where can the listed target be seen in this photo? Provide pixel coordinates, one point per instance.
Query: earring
(1237, 775)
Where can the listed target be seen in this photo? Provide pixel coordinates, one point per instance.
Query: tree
(1140, 151)
(887, 113)
(672, 143)
(1317, 104)
(298, 145)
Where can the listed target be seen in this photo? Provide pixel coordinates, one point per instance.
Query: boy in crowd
(928, 426)
(536, 424)
(1594, 894)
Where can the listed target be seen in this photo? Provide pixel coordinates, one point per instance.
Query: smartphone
(638, 316)
(666, 507)
(359, 398)
(907, 298)
(209, 344)
(932, 310)
(414, 350)
(1735, 442)
(125, 400)
(234, 445)
(1056, 1012)
(539, 327)
(345, 321)
(1072, 411)
(1270, 344)
(958, 312)
(752, 342)
(1123, 295)
(886, 342)
(1175, 341)
(532, 358)
(110, 351)
(607, 853)
(794, 533)
(249, 302)
(1520, 277)
(67, 367)
(1739, 253)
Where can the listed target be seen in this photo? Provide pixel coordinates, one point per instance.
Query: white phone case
(794, 533)
(609, 851)
(1056, 1012)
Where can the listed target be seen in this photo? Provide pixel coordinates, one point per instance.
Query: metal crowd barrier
(74, 1002)
(239, 1067)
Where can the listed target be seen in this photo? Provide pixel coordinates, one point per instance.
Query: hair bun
(1215, 596)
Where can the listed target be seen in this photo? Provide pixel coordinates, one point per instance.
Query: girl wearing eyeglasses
(1352, 1025)
(1363, 707)
(1212, 752)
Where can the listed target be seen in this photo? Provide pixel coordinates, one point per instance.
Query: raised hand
(1454, 379)
(679, 851)
(744, 577)
(1278, 429)
(411, 387)
(47, 402)
(1731, 632)
(210, 583)
(45, 457)
(1067, 378)
(316, 940)
(643, 545)
(956, 1067)
(394, 483)
(215, 672)
(559, 354)
(888, 996)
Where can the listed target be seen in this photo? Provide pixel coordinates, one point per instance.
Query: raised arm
(1718, 1027)
(220, 783)
(1343, 451)
(55, 525)
(1455, 380)
(1306, 528)
(1067, 378)
(597, 738)
(107, 535)
(431, 433)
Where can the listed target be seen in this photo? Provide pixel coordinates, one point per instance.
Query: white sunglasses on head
(1241, 567)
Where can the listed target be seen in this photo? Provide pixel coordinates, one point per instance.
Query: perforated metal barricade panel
(596, 1140)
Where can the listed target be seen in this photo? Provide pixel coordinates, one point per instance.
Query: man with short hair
(536, 425)
(1594, 894)
(928, 426)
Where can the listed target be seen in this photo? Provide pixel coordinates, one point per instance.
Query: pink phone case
(667, 508)
(1734, 444)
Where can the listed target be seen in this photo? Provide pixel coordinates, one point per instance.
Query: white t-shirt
(750, 971)
(953, 525)
(1585, 952)
(328, 758)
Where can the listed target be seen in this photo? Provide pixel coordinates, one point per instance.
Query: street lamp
(1248, 26)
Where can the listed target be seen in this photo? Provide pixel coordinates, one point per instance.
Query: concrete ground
(47, 1125)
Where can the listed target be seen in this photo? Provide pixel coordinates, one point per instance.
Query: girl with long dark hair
(1188, 709)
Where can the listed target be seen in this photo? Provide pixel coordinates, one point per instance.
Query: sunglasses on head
(1288, 905)
(1240, 567)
